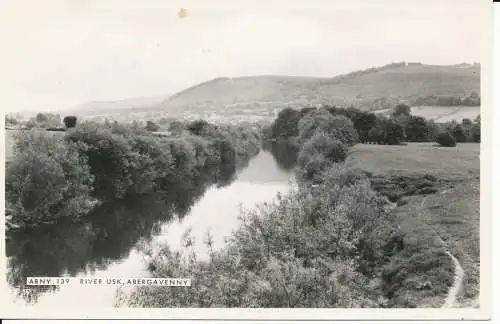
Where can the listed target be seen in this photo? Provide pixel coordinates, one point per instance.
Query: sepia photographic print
(245, 160)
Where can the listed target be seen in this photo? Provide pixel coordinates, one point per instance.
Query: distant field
(441, 114)
(417, 158)
(447, 219)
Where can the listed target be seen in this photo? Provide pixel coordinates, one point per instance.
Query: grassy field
(441, 114)
(461, 161)
(447, 219)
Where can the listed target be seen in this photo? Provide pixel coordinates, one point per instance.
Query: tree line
(53, 177)
(400, 126)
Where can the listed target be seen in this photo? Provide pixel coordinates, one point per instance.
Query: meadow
(448, 218)
(441, 114)
(461, 161)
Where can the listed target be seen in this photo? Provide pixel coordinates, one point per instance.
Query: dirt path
(450, 300)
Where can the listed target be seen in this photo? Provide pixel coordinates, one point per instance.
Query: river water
(110, 243)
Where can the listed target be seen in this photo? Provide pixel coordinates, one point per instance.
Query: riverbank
(54, 177)
(112, 241)
(338, 240)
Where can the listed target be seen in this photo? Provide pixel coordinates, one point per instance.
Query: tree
(175, 126)
(466, 122)
(459, 134)
(401, 109)
(395, 132)
(387, 131)
(331, 148)
(151, 126)
(446, 140)
(285, 125)
(363, 122)
(69, 121)
(40, 118)
(304, 111)
(11, 120)
(476, 130)
(417, 129)
(338, 127)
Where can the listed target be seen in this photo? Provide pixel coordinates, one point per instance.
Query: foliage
(338, 127)
(277, 257)
(120, 162)
(47, 180)
(417, 129)
(459, 134)
(387, 131)
(69, 121)
(476, 133)
(11, 120)
(445, 139)
(402, 109)
(285, 125)
(332, 149)
(151, 126)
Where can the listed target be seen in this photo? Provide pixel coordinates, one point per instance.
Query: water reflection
(107, 234)
(285, 153)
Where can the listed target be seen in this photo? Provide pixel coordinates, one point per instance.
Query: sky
(57, 54)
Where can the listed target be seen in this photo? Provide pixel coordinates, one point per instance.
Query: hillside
(112, 106)
(373, 89)
(262, 96)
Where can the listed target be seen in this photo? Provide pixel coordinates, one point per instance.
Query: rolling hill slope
(371, 89)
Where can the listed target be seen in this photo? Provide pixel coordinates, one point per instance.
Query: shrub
(69, 121)
(445, 139)
(395, 132)
(338, 127)
(476, 133)
(332, 149)
(285, 125)
(300, 251)
(459, 134)
(115, 166)
(417, 129)
(151, 126)
(387, 131)
(47, 180)
(402, 109)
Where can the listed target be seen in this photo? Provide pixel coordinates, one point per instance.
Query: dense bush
(401, 109)
(152, 126)
(338, 127)
(331, 149)
(417, 129)
(115, 161)
(298, 252)
(387, 131)
(285, 125)
(115, 166)
(445, 139)
(69, 121)
(47, 180)
(459, 134)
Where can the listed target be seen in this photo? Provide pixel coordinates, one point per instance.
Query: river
(111, 243)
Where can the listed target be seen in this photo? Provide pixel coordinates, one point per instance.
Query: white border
(326, 314)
